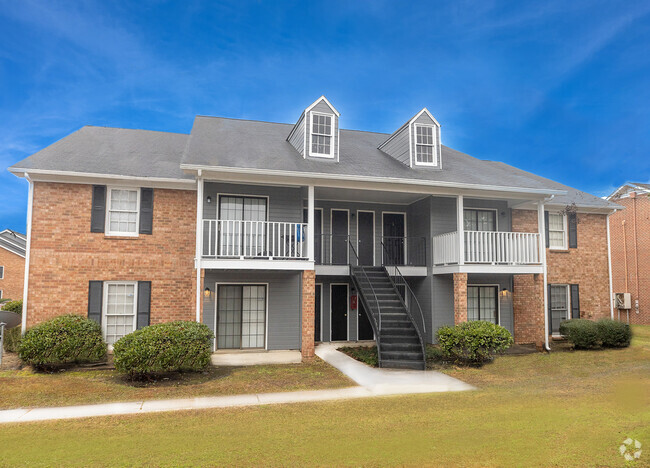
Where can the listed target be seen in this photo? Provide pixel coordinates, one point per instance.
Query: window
(2, 272)
(322, 132)
(557, 236)
(559, 306)
(482, 303)
(480, 220)
(241, 316)
(235, 238)
(122, 214)
(119, 310)
(0, 293)
(425, 145)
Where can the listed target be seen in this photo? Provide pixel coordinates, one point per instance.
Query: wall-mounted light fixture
(209, 199)
(504, 292)
(207, 293)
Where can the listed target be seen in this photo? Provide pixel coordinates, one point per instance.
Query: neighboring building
(630, 238)
(12, 264)
(269, 233)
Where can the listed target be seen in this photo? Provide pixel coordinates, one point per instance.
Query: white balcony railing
(510, 248)
(254, 239)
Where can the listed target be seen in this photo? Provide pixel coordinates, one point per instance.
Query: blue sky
(558, 88)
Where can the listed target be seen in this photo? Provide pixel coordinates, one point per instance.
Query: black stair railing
(376, 318)
(420, 325)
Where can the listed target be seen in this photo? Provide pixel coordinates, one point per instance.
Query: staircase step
(413, 347)
(391, 331)
(399, 339)
(401, 355)
(398, 364)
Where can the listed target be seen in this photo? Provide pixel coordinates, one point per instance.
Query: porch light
(209, 199)
(504, 292)
(207, 293)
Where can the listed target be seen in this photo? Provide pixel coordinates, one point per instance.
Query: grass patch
(559, 409)
(24, 388)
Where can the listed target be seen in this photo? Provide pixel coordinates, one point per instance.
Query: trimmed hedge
(12, 336)
(164, 347)
(614, 334)
(68, 339)
(474, 342)
(581, 333)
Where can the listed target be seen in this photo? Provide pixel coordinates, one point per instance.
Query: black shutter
(548, 243)
(573, 231)
(550, 315)
(95, 298)
(144, 303)
(146, 210)
(575, 301)
(98, 212)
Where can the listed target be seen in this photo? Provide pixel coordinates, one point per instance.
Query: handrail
(377, 319)
(408, 310)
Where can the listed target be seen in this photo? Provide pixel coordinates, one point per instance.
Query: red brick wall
(308, 313)
(12, 282)
(65, 255)
(528, 308)
(638, 253)
(460, 298)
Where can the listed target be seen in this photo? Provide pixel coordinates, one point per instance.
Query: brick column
(460, 298)
(308, 314)
(528, 308)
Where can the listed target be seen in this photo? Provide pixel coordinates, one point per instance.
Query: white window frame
(498, 299)
(2, 273)
(105, 303)
(434, 145)
(311, 134)
(565, 231)
(568, 303)
(108, 231)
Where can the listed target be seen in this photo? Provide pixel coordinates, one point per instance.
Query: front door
(339, 240)
(339, 307)
(365, 329)
(318, 233)
(317, 304)
(393, 238)
(366, 238)
(241, 316)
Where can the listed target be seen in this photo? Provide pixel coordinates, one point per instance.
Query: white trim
(30, 206)
(405, 233)
(565, 225)
(332, 270)
(347, 316)
(11, 251)
(74, 177)
(255, 264)
(107, 230)
(311, 222)
(216, 311)
(22, 236)
(374, 242)
(320, 338)
(497, 286)
(336, 179)
(609, 266)
(331, 135)
(13, 244)
(200, 186)
(460, 228)
(411, 157)
(321, 230)
(541, 220)
(496, 215)
(105, 286)
(434, 146)
(347, 247)
(424, 111)
(484, 268)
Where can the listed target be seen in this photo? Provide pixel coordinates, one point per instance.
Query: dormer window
(425, 145)
(321, 135)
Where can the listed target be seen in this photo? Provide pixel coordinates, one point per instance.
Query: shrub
(164, 347)
(68, 339)
(474, 342)
(12, 336)
(581, 333)
(614, 334)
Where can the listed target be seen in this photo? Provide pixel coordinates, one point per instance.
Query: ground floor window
(241, 316)
(559, 305)
(482, 303)
(119, 310)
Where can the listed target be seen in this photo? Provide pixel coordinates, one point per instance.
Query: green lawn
(562, 409)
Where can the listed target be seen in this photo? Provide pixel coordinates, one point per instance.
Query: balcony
(488, 251)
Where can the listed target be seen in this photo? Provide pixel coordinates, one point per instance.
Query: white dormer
(417, 142)
(316, 134)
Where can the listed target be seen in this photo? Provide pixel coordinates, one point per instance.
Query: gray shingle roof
(246, 144)
(13, 242)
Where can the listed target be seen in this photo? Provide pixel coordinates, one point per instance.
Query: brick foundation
(528, 309)
(308, 313)
(460, 298)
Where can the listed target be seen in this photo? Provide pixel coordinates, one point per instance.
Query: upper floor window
(425, 145)
(480, 220)
(557, 231)
(2, 272)
(123, 213)
(322, 133)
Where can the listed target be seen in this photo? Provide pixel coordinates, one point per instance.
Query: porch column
(460, 228)
(541, 225)
(308, 314)
(460, 298)
(529, 312)
(310, 223)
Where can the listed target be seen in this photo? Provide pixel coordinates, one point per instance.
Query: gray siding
(297, 140)
(421, 287)
(324, 108)
(284, 303)
(442, 302)
(419, 226)
(443, 215)
(505, 303)
(398, 147)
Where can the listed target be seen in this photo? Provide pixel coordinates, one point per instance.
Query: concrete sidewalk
(374, 382)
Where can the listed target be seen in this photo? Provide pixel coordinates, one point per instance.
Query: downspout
(609, 264)
(542, 226)
(625, 255)
(30, 203)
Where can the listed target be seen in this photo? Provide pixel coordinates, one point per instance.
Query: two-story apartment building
(12, 264)
(278, 236)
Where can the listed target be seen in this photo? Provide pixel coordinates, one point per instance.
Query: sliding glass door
(241, 316)
(242, 227)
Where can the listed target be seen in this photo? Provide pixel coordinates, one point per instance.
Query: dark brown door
(394, 241)
(366, 240)
(339, 306)
(339, 237)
